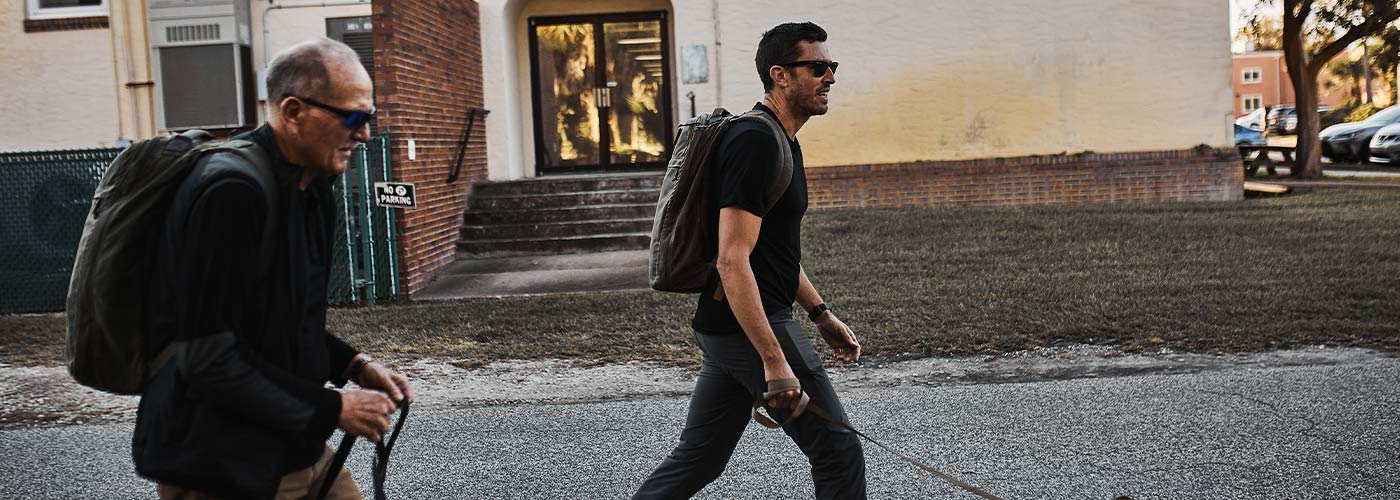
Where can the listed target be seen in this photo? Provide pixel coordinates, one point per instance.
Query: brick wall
(428, 74)
(1201, 174)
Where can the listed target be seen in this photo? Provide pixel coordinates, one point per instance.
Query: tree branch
(1304, 7)
(1337, 46)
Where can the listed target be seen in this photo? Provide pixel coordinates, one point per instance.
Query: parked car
(1352, 140)
(1283, 119)
(1253, 120)
(1245, 136)
(1385, 145)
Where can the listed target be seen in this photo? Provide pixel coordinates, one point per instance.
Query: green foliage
(1263, 32)
(1336, 115)
(1362, 112)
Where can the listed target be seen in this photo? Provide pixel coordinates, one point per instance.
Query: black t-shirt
(747, 163)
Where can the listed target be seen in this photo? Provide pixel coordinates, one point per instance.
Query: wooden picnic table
(1254, 157)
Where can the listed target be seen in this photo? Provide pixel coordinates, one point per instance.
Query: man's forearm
(807, 296)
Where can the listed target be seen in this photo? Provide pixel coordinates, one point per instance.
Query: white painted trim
(36, 12)
(1257, 70)
(1244, 102)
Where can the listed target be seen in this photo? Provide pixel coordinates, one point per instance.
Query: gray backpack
(682, 236)
(106, 306)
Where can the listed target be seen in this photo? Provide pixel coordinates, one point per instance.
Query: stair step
(554, 229)
(557, 200)
(478, 217)
(536, 281)
(559, 245)
(549, 185)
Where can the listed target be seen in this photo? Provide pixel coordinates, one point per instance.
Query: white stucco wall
(289, 25)
(930, 80)
(55, 96)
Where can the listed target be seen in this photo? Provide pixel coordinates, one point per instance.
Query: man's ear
(779, 75)
(291, 109)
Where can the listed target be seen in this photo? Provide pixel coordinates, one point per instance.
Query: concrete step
(555, 229)
(566, 199)
(521, 263)
(479, 217)
(555, 245)
(551, 185)
(455, 286)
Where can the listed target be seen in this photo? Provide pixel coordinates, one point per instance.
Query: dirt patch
(46, 395)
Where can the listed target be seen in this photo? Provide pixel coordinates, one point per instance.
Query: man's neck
(289, 153)
(792, 121)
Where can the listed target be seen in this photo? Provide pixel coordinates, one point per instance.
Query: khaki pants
(298, 485)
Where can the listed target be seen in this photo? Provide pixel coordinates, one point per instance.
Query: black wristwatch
(817, 311)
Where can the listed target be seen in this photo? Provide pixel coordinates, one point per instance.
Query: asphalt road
(1301, 432)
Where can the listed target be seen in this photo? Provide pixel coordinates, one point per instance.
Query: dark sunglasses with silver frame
(818, 67)
(353, 119)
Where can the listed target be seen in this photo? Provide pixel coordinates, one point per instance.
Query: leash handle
(774, 388)
(381, 458)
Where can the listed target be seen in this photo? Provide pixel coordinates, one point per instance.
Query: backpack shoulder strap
(784, 177)
(261, 172)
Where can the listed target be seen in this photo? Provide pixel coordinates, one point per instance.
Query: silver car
(1385, 145)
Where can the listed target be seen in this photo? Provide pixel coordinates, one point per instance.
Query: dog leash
(381, 458)
(382, 450)
(804, 405)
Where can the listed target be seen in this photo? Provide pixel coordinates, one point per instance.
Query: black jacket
(243, 400)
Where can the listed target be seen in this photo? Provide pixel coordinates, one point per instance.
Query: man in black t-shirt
(743, 322)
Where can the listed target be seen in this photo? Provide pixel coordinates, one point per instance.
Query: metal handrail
(462, 145)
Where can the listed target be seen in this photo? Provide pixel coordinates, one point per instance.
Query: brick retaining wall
(1200, 174)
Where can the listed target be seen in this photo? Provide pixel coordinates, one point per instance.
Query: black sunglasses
(818, 67)
(353, 119)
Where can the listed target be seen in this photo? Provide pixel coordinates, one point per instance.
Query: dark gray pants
(731, 378)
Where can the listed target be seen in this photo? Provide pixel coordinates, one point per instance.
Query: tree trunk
(1309, 153)
(1366, 69)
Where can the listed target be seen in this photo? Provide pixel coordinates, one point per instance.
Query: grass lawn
(1313, 267)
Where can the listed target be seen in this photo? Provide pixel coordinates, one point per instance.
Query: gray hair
(302, 69)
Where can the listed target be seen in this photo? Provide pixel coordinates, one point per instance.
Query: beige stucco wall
(932, 79)
(55, 97)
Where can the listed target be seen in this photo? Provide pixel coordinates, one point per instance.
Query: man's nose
(361, 134)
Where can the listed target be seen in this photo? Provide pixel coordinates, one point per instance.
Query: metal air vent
(192, 33)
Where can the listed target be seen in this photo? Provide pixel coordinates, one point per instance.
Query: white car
(1385, 145)
(1253, 120)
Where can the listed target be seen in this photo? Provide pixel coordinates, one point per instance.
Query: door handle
(603, 97)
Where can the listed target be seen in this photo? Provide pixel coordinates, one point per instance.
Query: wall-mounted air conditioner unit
(203, 64)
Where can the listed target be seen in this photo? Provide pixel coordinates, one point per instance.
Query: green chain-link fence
(366, 251)
(45, 196)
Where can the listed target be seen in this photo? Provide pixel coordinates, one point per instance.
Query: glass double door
(601, 95)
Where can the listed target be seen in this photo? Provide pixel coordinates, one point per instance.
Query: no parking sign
(395, 195)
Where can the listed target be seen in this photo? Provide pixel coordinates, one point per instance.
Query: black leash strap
(333, 472)
(382, 450)
(806, 405)
(381, 458)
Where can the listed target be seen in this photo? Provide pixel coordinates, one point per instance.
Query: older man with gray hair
(241, 410)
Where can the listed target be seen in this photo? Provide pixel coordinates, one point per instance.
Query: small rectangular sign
(395, 195)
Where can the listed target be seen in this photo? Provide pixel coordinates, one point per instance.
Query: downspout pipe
(719, 68)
